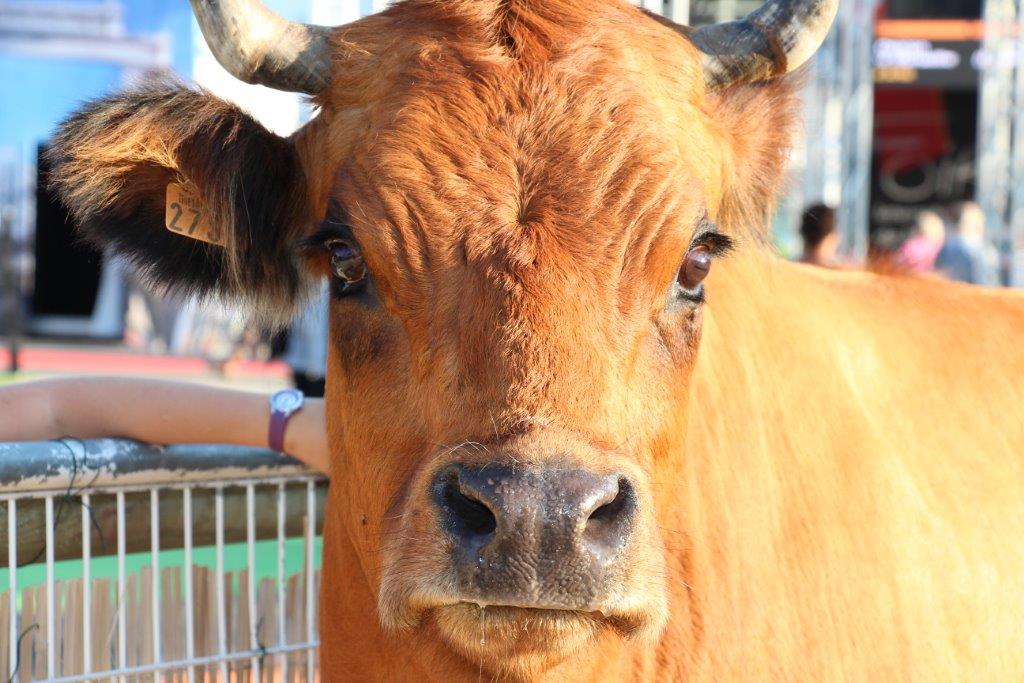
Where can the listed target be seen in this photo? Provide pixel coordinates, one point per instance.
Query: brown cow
(553, 459)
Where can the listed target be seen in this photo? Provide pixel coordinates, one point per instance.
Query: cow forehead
(523, 215)
(518, 167)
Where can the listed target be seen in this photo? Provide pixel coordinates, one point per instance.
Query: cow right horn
(773, 40)
(258, 46)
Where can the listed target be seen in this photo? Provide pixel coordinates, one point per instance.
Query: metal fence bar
(281, 641)
(250, 542)
(198, 661)
(108, 465)
(122, 615)
(154, 557)
(310, 595)
(190, 619)
(51, 612)
(222, 637)
(35, 494)
(12, 571)
(86, 583)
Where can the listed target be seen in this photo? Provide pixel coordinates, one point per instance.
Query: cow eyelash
(719, 244)
(331, 229)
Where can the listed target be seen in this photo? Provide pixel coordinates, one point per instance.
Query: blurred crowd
(948, 243)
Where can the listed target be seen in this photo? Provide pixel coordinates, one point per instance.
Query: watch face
(286, 400)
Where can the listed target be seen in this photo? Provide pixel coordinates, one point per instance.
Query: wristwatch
(283, 404)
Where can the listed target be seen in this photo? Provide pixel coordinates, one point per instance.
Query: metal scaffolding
(857, 93)
(1015, 237)
(996, 175)
(1000, 160)
(835, 157)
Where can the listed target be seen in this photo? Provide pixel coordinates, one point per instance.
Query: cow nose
(530, 536)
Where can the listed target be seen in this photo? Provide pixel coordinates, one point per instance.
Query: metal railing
(133, 562)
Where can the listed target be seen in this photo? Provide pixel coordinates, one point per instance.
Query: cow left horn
(256, 45)
(773, 40)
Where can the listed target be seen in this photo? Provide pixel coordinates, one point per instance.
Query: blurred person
(158, 411)
(820, 236)
(918, 253)
(965, 256)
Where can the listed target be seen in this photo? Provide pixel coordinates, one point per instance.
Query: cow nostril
(608, 525)
(468, 514)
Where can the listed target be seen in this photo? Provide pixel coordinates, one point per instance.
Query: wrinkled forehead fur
(567, 137)
(534, 131)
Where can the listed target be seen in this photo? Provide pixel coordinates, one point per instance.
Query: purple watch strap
(275, 436)
(283, 405)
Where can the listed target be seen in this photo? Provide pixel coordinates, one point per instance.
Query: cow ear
(233, 182)
(759, 121)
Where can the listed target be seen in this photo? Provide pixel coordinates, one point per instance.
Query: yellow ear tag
(186, 215)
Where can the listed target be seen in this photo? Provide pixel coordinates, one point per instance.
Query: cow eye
(347, 266)
(696, 266)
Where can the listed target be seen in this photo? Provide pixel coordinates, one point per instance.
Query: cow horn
(258, 46)
(773, 40)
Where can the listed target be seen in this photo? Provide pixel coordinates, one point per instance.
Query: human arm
(155, 411)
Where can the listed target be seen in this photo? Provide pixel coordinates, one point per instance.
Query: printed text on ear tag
(186, 215)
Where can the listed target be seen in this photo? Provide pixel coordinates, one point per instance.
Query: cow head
(516, 202)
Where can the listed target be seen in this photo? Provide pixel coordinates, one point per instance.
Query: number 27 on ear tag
(186, 215)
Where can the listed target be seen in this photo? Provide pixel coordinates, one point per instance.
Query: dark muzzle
(539, 537)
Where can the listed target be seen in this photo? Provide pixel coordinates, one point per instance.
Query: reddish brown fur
(828, 463)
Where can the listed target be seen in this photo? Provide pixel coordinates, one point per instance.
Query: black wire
(17, 651)
(77, 500)
(71, 497)
(260, 647)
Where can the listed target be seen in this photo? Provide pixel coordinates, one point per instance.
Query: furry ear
(760, 120)
(113, 161)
